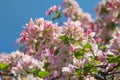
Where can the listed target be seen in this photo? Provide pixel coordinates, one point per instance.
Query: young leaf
(87, 47)
(72, 40)
(57, 15)
(3, 66)
(68, 4)
(45, 41)
(109, 55)
(102, 47)
(81, 78)
(43, 74)
(57, 51)
(94, 70)
(79, 54)
(118, 16)
(46, 30)
(33, 71)
(113, 59)
(78, 72)
(46, 65)
(37, 46)
(65, 39)
(88, 67)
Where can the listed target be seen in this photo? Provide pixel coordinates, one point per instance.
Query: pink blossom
(52, 9)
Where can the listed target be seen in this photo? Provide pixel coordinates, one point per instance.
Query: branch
(114, 73)
(5, 74)
(113, 68)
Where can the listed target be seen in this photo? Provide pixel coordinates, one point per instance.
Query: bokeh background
(14, 14)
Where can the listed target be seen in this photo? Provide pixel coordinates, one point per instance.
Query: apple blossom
(79, 49)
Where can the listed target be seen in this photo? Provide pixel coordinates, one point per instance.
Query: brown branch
(113, 68)
(5, 74)
(114, 73)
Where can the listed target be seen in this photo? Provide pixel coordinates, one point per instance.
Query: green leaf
(3, 66)
(78, 72)
(57, 51)
(68, 4)
(87, 47)
(94, 70)
(43, 74)
(79, 42)
(45, 41)
(65, 39)
(92, 58)
(110, 55)
(37, 46)
(118, 15)
(46, 65)
(72, 40)
(33, 71)
(79, 54)
(88, 67)
(57, 15)
(102, 47)
(81, 78)
(114, 59)
(46, 30)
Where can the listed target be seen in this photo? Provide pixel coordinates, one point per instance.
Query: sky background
(14, 14)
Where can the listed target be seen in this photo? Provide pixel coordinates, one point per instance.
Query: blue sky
(16, 13)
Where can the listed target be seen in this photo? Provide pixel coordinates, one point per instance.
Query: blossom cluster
(79, 49)
(52, 9)
(16, 64)
(108, 18)
(73, 11)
